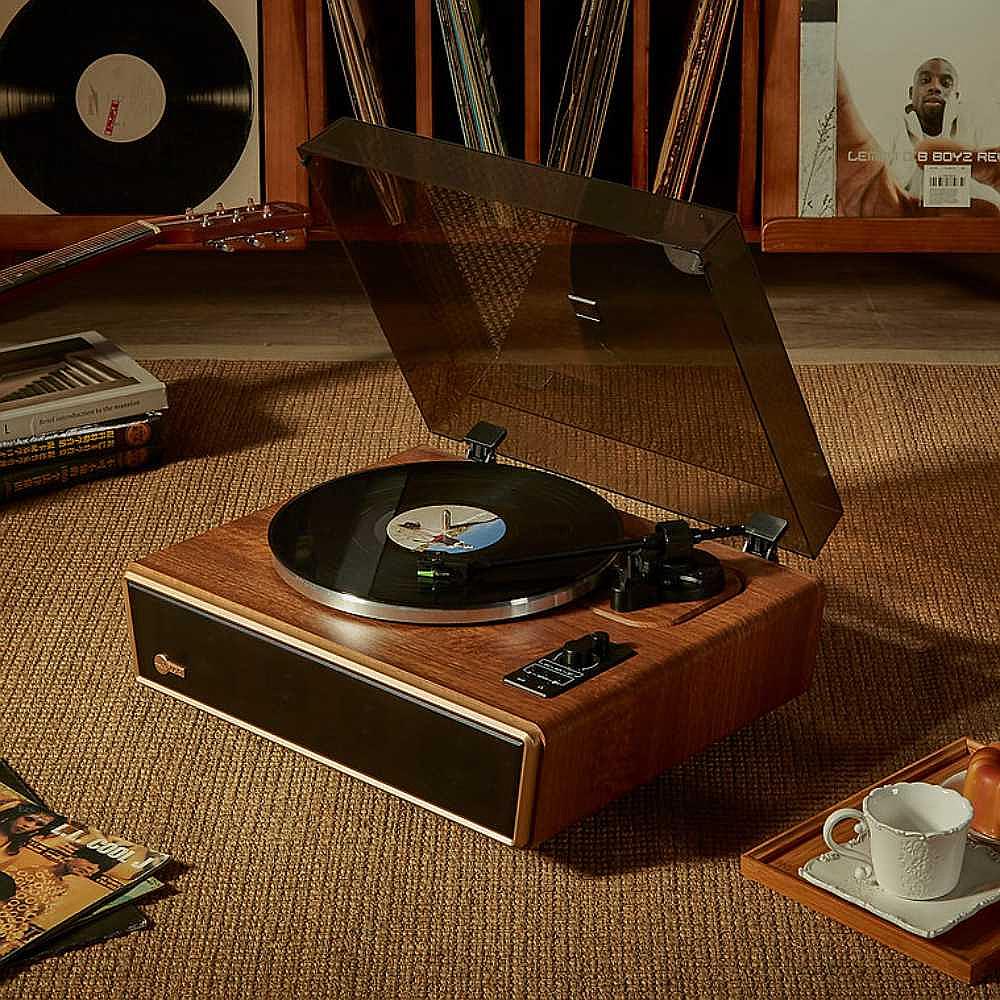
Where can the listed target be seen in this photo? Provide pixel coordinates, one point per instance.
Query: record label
(120, 97)
(449, 528)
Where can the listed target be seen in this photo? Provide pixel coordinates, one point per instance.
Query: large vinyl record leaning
(116, 106)
(354, 543)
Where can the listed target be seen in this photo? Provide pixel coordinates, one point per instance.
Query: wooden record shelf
(760, 130)
(534, 49)
(298, 70)
(795, 235)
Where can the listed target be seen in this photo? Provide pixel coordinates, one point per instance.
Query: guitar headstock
(224, 228)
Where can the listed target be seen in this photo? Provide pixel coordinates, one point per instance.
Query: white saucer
(978, 887)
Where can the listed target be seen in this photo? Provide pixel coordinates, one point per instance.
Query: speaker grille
(443, 759)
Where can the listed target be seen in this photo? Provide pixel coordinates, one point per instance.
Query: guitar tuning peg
(251, 202)
(252, 241)
(282, 237)
(225, 246)
(266, 211)
(219, 208)
(189, 213)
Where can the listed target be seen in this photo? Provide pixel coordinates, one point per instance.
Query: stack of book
(73, 409)
(64, 884)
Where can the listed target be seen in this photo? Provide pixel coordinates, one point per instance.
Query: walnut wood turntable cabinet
(625, 343)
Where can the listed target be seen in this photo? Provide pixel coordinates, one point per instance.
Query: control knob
(586, 651)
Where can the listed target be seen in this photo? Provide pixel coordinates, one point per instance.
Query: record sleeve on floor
(152, 108)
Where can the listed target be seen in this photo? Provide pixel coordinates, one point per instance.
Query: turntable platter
(353, 543)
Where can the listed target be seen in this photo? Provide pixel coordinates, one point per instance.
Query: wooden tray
(970, 952)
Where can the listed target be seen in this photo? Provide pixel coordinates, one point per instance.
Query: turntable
(487, 634)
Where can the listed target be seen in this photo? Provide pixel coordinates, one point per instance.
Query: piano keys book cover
(52, 385)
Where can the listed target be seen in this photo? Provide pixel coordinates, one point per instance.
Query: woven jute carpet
(300, 882)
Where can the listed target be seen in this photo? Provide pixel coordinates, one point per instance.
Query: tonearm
(664, 566)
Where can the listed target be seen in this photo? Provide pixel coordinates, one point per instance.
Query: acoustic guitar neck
(133, 236)
(251, 224)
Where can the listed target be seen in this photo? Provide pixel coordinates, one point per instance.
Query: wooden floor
(308, 305)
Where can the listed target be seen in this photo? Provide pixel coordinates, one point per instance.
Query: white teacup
(916, 832)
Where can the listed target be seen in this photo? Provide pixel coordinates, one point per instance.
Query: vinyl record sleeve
(117, 917)
(934, 81)
(116, 76)
(818, 108)
(65, 870)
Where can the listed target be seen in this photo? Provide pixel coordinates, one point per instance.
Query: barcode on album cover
(947, 186)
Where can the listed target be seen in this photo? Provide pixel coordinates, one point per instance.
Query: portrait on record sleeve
(899, 108)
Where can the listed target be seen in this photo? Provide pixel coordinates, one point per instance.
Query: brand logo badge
(164, 665)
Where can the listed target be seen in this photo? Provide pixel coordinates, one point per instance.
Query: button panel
(573, 663)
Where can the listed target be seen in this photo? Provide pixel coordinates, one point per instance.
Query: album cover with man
(899, 108)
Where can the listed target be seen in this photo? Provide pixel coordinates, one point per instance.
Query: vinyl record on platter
(123, 107)
(354, 543)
